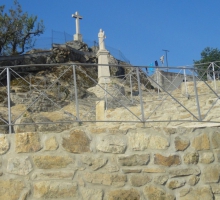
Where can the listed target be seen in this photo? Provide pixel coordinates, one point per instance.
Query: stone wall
(92, 163)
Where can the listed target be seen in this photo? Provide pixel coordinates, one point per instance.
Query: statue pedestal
(103, 71)
(77, 37)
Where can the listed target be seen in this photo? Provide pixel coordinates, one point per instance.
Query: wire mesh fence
(58, 95)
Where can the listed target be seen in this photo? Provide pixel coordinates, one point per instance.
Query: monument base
(104, 80)
(77, 37)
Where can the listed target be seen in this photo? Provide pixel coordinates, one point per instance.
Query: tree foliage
(17, 30)
(208, 55)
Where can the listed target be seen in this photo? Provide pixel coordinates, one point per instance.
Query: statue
(101, 37)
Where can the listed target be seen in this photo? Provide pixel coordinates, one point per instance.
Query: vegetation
(17, 30)
(208, 55)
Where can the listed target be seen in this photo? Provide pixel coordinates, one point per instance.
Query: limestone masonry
(111, 162)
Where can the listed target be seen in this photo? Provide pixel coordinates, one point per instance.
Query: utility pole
(166, 57)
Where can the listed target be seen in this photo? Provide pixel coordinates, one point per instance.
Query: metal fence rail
(70, 92)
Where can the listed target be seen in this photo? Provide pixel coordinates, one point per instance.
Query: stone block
(4, 144)
(152, 192)
(174, 184)
(55, 190)
(201, 142)
(51, 144)
(193, 180)
(53, 175)
(127, 171)
(130, 194)
(134, 160)
(199, 193)
(27, 142)
(191, 158)
(77, 142)
(90, 194)
(215, 188)
(138, 141)
(138, 180)
(105, 179)
(111, 144)
(100, 111)
(52, 162)
(96, 162)
(154, 170)
(211, 173)
(184, 172)
(215, 138)
(11, 189)
(167, 160)
(161, 179)
(19, 166)
(181, 143)
(206, 157)
(158, 142)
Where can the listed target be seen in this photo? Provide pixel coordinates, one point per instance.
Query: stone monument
(103, 58)
(77, 36)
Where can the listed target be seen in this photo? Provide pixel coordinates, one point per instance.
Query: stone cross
(101, 36)
(77, 36)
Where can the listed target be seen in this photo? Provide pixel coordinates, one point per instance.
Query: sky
(139, 29)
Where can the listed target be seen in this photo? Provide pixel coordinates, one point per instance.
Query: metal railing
(70, 92)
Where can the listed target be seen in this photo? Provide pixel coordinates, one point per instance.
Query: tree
(17, 30)
(208, 55)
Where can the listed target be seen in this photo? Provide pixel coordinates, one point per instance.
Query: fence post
(197, 98)
(131, 89)
(9, 99)
(213, 72)
(76, 96)
(186, 89)
(140, 94)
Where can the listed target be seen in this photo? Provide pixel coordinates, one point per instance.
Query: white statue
(101, 37)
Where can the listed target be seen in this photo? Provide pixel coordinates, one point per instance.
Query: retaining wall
(95, 163)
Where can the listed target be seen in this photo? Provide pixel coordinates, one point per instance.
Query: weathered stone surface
(51, 144)
(183, 192)
(184, 172)
(193, 180)
(191, 158)
(95, 162)
(27, 142)
(130, 194)
(198, 194)
(25, 193)
(55, 190)
(206, 157)
(4, 144)
(181, 143)
(154, 170)
(138, 141)
(11, 189)
(156, 193)
(138, 180)
(166, 161)
(51, 162)
(161, 179)
(112, 144)
(134, 160)
(89, 194)
(105, 179)
(53, 175)
(77, 142)
(112, 168)
(173, 184)
(158, 142)
(215, 140)
(19, 165)
(211, 173)
(201, 142)
(127, 171)
(97, 130)
(215, 188)
(217, 154)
